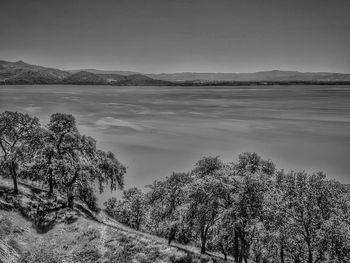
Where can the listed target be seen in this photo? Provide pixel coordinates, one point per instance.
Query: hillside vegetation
(244, 210)
(76, 235)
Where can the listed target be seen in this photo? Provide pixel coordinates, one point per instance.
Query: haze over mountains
(23, 73)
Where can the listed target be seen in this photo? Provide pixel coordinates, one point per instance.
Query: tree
(19, 138)
(208, 165)
(252, 163)
(58, 141)
(130, 210)
(204, 207)
(275, 221)
(110, 206)
(338, 240)
(206, 195)
(136, 201)
(108, 171)
(165, 200)
(247, 212)
(70, 161)
(337, 229)
(309, 202)
(252, 175)
(224, 234)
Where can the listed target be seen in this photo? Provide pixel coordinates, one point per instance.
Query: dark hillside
(26, 73)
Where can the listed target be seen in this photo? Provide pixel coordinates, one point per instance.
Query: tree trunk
(310, 260)
(14, 178)
(282, 253)
(224, 251)
(50, 183)
(204, 241)
(244, 249)
(172, 234)
(236, 248)
(15, 185)
(258, 258)
(203, 248)
(70, 199)
(310, 256)
(51, 188)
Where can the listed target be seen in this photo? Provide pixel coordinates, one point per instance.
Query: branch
(3, 149)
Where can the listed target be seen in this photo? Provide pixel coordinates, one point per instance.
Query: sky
(153, 36)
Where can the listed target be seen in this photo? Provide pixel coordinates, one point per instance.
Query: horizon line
(177, 72)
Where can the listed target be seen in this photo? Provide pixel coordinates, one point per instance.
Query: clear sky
(178, 35)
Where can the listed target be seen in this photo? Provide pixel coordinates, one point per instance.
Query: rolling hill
(22, 73)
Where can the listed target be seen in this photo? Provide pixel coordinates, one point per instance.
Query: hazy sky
(178, 35)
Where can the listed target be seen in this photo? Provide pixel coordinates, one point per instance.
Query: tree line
(245, 209)
(56, 155)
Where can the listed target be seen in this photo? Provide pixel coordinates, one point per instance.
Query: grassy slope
(96, 238)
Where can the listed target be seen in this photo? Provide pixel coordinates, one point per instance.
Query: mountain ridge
(20, 72)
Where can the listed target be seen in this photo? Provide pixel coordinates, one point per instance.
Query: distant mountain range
(274, 75)
(23, 73)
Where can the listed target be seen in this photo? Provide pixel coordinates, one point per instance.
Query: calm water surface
(157, 130)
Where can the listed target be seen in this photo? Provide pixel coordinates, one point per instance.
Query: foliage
(57, 155)
(130, 210)
(70, 162)
(251, 212)
(165, 201)
(19, 138)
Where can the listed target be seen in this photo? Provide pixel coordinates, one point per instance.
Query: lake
(158, 130)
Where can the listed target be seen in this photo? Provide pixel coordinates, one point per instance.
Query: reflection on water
(157, 130)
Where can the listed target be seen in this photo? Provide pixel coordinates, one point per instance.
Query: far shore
(193, 83)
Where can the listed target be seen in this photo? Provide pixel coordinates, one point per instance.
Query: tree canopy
(58, 156)
(248, 210)
(19, 139)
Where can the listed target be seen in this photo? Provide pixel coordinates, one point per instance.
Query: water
(158, 130)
